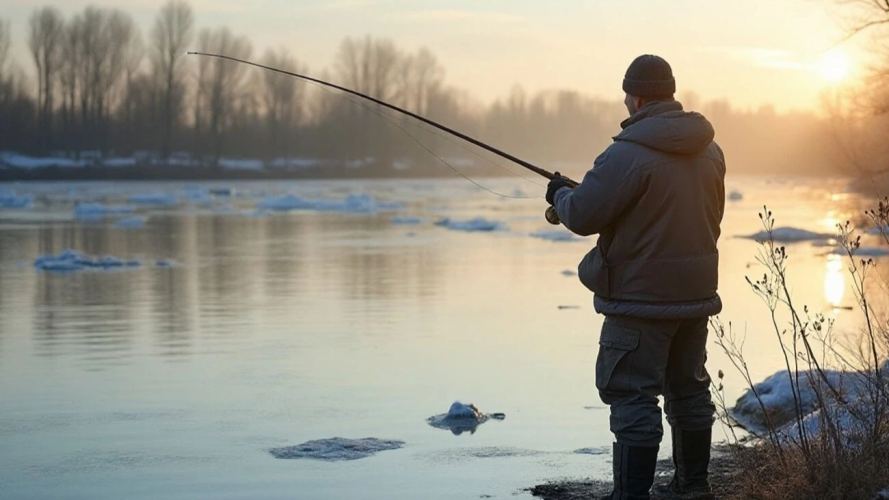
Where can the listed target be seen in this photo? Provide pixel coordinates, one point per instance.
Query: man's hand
(557, 183)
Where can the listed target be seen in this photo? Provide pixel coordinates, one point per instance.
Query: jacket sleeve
(608, 189)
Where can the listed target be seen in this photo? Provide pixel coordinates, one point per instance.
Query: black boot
(633, 472)
(691, 457)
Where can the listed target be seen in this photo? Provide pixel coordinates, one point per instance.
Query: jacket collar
(653, 108)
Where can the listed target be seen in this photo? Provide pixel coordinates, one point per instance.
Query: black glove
(557, 183)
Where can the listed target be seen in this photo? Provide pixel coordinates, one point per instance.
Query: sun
(834, 66)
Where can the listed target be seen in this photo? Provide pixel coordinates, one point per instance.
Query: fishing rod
(551, 215)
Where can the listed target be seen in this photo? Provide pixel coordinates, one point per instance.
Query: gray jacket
(656, 198)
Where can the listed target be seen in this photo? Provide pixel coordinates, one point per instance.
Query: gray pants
(641, 359)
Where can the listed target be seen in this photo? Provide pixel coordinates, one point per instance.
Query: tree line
(99, 85)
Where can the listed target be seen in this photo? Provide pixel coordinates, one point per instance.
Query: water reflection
(834, 281)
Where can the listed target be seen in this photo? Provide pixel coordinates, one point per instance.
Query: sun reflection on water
(834, 281)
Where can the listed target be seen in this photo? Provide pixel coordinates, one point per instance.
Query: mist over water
(273, 330)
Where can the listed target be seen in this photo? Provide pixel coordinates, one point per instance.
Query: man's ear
(639, 102)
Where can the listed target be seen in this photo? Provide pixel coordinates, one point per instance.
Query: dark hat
(649, 76)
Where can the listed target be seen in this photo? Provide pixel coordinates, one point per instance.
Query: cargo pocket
(614, 345)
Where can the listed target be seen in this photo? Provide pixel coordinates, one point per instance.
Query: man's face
(630, 102)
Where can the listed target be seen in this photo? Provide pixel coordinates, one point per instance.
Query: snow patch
(16, 160)
(231, 164)
(336, 449)
(558, 235)
(789, 235)
(478, 224)
(70, 261)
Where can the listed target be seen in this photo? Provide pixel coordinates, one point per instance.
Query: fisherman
(656, 198)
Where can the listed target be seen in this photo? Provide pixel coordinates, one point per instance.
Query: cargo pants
(641, 359)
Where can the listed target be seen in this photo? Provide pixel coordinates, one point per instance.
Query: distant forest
(94, 83)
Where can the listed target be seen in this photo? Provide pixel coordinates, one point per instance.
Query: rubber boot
(691, 458)
(633, 472)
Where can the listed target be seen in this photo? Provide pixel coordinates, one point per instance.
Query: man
(656, 198)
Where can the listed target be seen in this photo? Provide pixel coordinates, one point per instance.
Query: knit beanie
(649, 76)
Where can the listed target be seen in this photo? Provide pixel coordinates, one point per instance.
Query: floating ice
(159, 199)
(569, 272)
(406, 220)
(222, 191)
(97, 211)
(556, 235)
(197, 195)
(735, 196)
(135, 222)
(165, 263)
(336, 449)
(354, 203)
(70, 260)
(462, 418)
(9, 199)
(789, 235)
(477, 224)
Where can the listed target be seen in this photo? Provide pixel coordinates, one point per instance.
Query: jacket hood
(664, 126)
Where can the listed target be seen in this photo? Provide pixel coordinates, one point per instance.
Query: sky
(782, 53)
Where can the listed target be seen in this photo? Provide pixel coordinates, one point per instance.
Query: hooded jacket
(656, 198)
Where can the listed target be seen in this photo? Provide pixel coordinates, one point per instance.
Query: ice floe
(471, 225)
(569, 272)
(165, 263)
(336, 449)
(601, 450)
(556, 235)
(197, 195)
(735, 196)
(462, 418)
(97, 211)
(406, 220)
(70, 260)
(135, 222)
(789, 235)
(158, 199)
(354, 203)
(9, 199)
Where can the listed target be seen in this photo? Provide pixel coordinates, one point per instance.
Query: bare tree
(45, 29)
(282, 99)
(5, 44)
(221, 83)
(172, 32)
(369, 65)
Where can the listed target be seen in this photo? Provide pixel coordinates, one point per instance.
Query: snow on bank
(777, 395)
(336, 449)
(70, 261)
(558, 235)
(9, 199)
(789, 235)
(479, 224)
(462, 418)
(354, 203)
(98, 211)
(16, 160)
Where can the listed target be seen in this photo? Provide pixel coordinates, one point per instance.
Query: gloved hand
(557, 183)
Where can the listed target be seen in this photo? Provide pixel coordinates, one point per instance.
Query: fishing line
(393, 123)
(540, 171)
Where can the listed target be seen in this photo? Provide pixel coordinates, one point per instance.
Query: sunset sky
(779, 52)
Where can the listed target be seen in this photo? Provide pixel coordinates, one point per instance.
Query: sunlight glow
(834, 281)
(834, 66)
